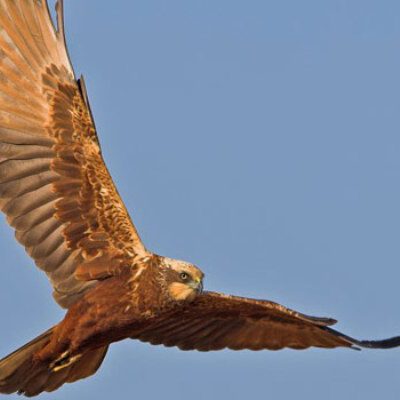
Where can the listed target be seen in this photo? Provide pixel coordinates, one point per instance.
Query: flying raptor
(59, 197)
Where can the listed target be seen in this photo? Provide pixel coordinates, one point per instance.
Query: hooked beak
(198, 285)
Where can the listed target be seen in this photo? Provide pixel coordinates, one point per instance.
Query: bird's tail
(19, 372)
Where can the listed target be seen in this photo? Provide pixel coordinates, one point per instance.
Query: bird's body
(59, 197)
(131, 301)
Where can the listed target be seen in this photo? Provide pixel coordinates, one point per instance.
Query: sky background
(261, 141)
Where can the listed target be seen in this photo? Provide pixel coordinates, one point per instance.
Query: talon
(64, 361)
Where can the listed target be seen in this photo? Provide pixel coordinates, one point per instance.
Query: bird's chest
(111, 311)
(145, 295)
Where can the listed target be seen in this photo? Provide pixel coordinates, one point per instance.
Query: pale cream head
(184, 280)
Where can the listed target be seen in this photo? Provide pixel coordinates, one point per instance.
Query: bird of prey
(59, 197)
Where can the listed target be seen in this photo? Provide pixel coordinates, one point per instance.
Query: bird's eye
(184, 276)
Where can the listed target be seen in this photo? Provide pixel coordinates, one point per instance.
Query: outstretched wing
(54, 186)
(215, 321)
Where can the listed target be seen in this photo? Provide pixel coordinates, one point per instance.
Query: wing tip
(322, 321)
(61, 33)
(356, 344)
(389, 343)
(60, 17)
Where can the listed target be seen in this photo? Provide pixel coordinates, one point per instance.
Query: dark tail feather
(18, 372)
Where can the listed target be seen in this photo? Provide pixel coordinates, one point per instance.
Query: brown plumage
(58, 195)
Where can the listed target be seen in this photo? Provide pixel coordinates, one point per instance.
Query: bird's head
(184, 281)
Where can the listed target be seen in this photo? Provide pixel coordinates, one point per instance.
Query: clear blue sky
(261, 141)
